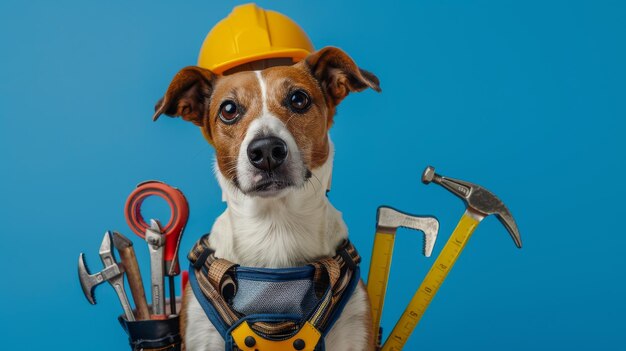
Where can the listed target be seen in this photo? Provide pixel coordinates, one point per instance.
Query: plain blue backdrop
(526, 98)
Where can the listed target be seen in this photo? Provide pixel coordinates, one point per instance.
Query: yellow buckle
(247, 340)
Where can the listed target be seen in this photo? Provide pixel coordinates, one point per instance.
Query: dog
(274, 160)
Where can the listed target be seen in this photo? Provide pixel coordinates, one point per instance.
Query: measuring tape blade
(378, 276)
(431, 284)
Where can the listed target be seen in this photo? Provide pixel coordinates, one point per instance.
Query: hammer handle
(432, 282)
(134, 281)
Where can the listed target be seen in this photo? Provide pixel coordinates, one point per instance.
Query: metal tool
(388, 220)
(125, 248)
(113, 273)
(173, 231)
(480, 203)
(156, 240)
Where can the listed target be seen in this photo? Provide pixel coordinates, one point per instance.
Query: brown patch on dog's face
(244, 91)
(309, 126)
(291, 105)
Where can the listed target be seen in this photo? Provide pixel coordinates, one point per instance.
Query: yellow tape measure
(378, 276)
(431, 284)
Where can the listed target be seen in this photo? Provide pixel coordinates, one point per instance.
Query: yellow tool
(479, 204)
(388, 220)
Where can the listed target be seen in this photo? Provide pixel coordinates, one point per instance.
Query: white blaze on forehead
(267, 124)
(264, 125)
(263, 91)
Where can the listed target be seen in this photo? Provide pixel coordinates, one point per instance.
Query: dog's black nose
(267, 153)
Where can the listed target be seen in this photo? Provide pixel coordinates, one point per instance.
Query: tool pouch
(153, 335)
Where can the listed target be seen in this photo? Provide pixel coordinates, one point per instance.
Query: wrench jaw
(106, 252)
(154, 236)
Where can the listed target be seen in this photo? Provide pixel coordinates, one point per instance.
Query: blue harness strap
(217, 321)
(276, 303)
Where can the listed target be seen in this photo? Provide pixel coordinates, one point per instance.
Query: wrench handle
(157, 281)
(118, 285)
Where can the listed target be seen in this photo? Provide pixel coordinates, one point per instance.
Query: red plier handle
(179, 213)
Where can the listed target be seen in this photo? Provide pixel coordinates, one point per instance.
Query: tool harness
(267, 309)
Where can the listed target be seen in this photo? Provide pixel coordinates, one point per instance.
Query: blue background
(525, 98)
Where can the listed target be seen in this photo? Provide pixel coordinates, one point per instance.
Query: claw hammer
(479, 203)
(113, 273)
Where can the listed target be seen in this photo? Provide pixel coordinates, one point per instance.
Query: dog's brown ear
(188, 96)
(338, 74)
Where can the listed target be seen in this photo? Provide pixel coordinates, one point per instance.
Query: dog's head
(270, 127)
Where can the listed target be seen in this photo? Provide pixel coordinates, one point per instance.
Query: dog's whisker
(312, 184)
(290, 118)
(318, 180)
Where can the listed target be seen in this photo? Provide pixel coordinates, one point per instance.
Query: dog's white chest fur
(280, 232)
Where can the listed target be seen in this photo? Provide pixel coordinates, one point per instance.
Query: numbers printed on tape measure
(379, 273)
(431, 284)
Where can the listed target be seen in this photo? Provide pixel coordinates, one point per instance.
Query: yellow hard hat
(250, 33)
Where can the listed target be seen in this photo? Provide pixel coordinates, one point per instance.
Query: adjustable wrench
(156, 240)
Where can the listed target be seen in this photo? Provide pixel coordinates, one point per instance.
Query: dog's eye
(228, 112)
(299, 101)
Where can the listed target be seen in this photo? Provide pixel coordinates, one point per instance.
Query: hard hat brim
(295, 54)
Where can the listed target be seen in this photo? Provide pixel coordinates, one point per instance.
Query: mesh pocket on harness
(261, 292)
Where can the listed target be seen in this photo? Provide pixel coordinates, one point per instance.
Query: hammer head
(477, 199)
(112, 269)
(391, 219)
(87, 280)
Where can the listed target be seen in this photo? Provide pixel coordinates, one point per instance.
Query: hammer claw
(86, 279)
(508, 222)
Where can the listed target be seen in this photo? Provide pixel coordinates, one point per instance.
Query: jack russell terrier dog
(274, 161)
